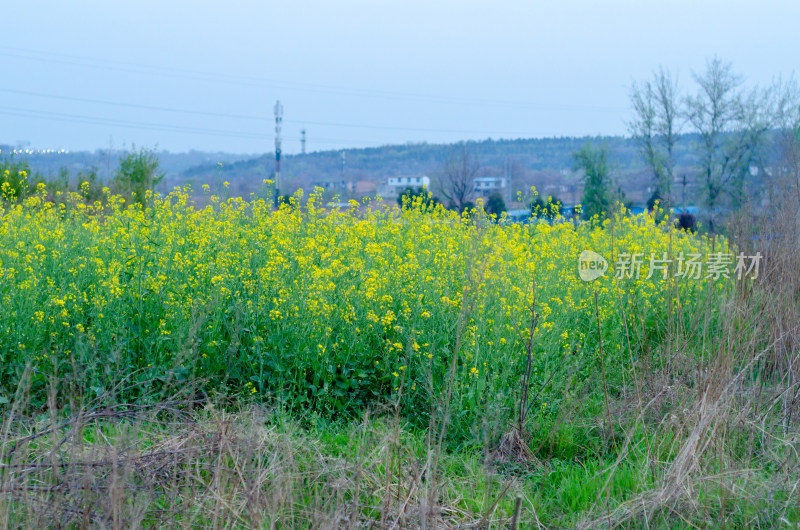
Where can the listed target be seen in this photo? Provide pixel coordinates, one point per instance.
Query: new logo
(591, 265)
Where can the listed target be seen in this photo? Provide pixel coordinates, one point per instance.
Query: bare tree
(456, 179)
(787, 117)
(733, 128)
(656, 127)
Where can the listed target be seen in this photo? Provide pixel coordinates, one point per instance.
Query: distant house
(409, 182)
(484, 186)
(396, 185)
(366, 187)
(359, 187)
(334, 185)
(556, 189)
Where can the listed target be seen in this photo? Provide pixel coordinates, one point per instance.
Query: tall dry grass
(727, 420)
(188, 464)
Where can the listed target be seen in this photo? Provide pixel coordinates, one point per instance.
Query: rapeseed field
(328, 310)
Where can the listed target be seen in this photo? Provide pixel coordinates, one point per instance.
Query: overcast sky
(357, 73)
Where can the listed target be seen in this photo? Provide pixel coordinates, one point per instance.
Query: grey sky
(359, 73)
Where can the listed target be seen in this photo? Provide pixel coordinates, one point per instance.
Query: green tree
(138, 173)
(495, 205)
(597, 199)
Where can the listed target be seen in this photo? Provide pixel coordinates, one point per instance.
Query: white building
(484, 186)
(409, 182)
(396, 185)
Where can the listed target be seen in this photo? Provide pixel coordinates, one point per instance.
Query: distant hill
(546, 163)
(409, 159)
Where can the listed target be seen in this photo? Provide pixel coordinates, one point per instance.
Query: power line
(94, 120)
(194, 75)
(257, 117)
(134, 105)
(106, 64)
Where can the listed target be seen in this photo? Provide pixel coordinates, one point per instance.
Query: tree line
(740, 132)
(743, 141)
(138, 172)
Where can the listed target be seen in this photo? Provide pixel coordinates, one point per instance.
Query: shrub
(138, 173)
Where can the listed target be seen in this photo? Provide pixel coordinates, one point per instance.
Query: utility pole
(303, 142)
(344, 153)
(509, 181)
(108, 158)
(506, 184)
(684, 192)
(278, 122)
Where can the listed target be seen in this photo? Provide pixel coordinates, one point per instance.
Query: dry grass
(165, 466)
